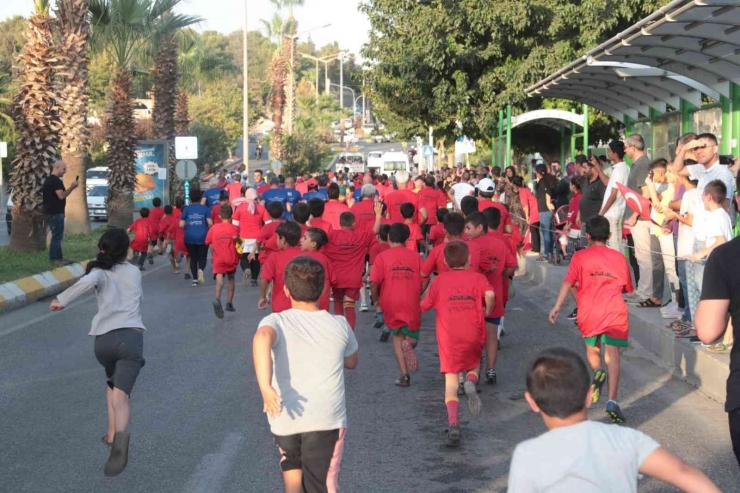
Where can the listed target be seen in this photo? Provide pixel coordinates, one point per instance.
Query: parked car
(97, 199)
(95, 177)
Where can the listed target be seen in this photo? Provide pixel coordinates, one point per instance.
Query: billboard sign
(150, 167)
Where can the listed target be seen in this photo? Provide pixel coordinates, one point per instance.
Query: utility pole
(245, 90)
(326, 61)
(341, 80)
(363, 101)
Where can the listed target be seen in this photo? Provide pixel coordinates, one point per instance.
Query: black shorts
(153, 242)
(227, 274)
(318, 454)
(121, 352)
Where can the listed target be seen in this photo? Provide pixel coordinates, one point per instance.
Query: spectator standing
(55, 201)
(613, 207)
(208, 179)
(461, 189)
(593, 189)
(544, 187)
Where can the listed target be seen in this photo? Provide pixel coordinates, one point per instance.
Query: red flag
(635, 201)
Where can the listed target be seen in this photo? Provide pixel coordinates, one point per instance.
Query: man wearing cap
(314, 189)
(486, 190)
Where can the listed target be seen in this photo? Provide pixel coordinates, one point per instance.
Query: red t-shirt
(397, 272)
(274, 271)
(437, 234)
(179, 234)
(263, 188)
(142, 229)
(415, 236)
(176, 213)
(329, 278)
(318, 222)
(302, 187)
(432, 199)
(250, 225)
(267, 232)
(216, 214)
(484, 204)
(332, 210)
(394, 201)
(529, 200)
(346, 250)
(458, 296)
(384, 190)
(435, 261)
(376, 250)
(573, 210)
(495, 252)
(272, 245)
(234, 190)
(225, 256)
(167, 227)
(601, 274)
(505, 281)
(364, 212)
(155, 216)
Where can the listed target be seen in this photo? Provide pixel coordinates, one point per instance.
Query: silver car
(97, 199)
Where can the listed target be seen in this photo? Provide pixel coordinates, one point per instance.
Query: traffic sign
(186, 147)
(428, 151)
(186, 170)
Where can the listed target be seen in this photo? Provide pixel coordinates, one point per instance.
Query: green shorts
(414, 334)
(606, 340)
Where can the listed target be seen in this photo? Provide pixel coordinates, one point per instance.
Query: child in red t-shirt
(459, 297)
(379, 247)
(316, 208)
(288, 240)
(222, 238)
(142, 234)
(415, 236)
(216, 209)
(494, 218)
(156, 214)
(275, 210)
(600, 275)
(313, 240)
(395, 283)
(454, 225)
(437, 231)
(166, 231)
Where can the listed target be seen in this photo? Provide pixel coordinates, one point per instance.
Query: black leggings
(534, 230)
(254, 265)
(198, 257)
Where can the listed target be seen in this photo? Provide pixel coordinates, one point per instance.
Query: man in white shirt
(706, 149)
(613, 206)
(460, 190)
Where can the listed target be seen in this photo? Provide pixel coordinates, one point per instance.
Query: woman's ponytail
(112, 250)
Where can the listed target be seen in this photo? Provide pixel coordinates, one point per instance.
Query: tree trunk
(165, 103)
(29, 232)
(76, 218)
(120, 208)
(278, 74)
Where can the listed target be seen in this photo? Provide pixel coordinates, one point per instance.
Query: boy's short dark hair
(518, 181)
(454, 224)
(195, 195)
(399, 233)
(456, 254)
(332, 192)
(708, 136)
(225, 211)
(477, 219)
(598, 228)
(576, 182)
(323, 180)
(301, 213)
(318, 236)
(179, 202)
(496, 171)
(383, 232)
(346, 220)
(156, 202)
(144, 212)
(659, 163)
(429, 181)
(468, 205)
(717, 190)
(168, 209)
(441, 214)
(558, 381)
(316, 207)
(290, 231)
(407, 210)
(304, 278)
(275, 209)
(493, 218)
(223, 196)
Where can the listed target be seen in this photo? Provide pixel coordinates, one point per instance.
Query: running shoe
(596, 384)
(230, 307)
(177, 272)
(363, 307)
(408, 354)
(142, 268)
(118, 457)
(379, 321)
(542, 259)
(218, 309)
(187, 276)
(385, 335)
(573, 315)
(201, 276)
(151, 260)
(403, 381)
(491, 378)
(453, 436)
(471, 394)
(613, 411)
(195, 284)
(253, 282)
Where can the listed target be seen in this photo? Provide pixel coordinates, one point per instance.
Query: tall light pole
(350, 89)
(245, 89)
(326, 61)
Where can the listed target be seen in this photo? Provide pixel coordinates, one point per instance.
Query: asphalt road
(197, 424)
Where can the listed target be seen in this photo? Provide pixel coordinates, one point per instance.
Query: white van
(96, 177)
(375, 161)
(394, 161)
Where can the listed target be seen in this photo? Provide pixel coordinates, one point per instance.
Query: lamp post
(245, 90)
(342, 55)
(349, 88)
(326, 61)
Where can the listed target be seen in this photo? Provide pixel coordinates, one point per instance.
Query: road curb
(706, 371)
(23, 292)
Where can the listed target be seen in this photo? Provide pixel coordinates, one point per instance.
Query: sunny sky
(349, 27)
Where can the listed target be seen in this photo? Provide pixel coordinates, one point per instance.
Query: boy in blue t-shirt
(195, 220)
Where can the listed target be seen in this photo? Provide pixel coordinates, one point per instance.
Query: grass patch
(14, 265)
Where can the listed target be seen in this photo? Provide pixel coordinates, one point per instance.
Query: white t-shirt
(620, 174)
(587, 457)
(717, 223)
(685, 245)
(308, 370)
(461, 190)
(706, 175)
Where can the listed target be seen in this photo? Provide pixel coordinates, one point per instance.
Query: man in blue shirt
(292, 196)
(195, 220)
(317, 189)
(275, 194)
(212, 196)
(366, 180)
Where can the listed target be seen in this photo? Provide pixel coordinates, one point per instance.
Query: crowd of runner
(316, 246)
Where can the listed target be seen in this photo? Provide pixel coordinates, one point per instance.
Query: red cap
(312, 182)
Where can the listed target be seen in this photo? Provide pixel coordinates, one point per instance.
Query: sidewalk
(692, 363)
(23, 292)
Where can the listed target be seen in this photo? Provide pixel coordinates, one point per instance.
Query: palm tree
(37, 123)
(164, 75)
(6, 102)
(72, 88)
(123, 29)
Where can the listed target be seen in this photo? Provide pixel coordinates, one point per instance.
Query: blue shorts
(494, 321)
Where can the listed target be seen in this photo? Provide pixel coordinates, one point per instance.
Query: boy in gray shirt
(299, 358)
(581, 455)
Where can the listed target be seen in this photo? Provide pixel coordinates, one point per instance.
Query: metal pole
(317, 78)
(499, 147)
(363, 101)
(341, 80)
(572, 139)
(245, 89)
(508, 135)
(585, 131)
(326, 77)
(562, 144)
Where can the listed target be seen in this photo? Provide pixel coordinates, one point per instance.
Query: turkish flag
(635, 201)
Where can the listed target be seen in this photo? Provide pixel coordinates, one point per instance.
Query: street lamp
(341, 88)
(245, 89)
(326, 61)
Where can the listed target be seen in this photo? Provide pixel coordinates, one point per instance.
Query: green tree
(11, 42)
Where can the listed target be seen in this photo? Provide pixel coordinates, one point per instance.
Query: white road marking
(214, 468)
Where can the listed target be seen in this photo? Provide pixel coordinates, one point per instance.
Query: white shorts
(247, 245)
